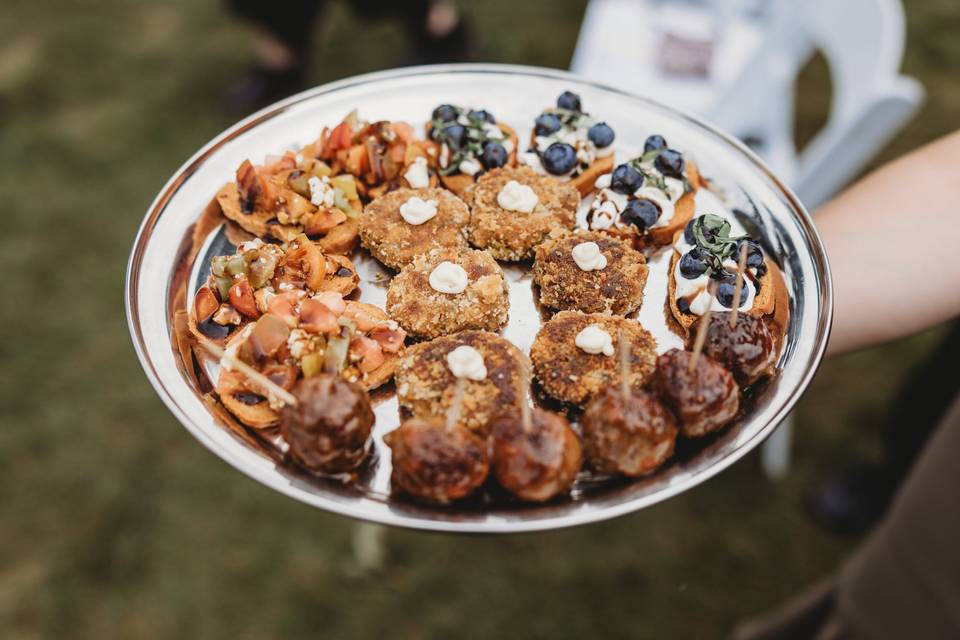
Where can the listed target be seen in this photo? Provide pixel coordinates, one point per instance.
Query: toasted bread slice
(772, 301)
(264, 224)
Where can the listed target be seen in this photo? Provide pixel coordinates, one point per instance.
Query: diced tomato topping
(284, 375)
(316, 316)
(403, 130)
(323, 220)
(341, 137)
(205, 304)
(241, 297)
(390, 340)
(363, 319)
(356, 161)
(369, 351)
(268, 335)
(284, 306)
(333, 301)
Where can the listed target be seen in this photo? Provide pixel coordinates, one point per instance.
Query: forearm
(893, 240)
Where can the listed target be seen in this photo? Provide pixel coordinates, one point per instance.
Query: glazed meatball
(434, 463)
(328, 431)
(629, 436)
(704, 400)
(538, 464)
(747, 350)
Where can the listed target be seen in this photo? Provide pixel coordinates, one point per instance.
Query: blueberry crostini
(570, 144)
(646, 199)
(469, 143)
(707, 250)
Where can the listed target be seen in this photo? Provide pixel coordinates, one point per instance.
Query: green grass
(116, 523)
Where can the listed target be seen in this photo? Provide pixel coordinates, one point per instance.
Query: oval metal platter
(170, 258)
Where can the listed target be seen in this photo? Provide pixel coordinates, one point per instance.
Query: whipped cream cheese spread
(467, 362)
(517, 197)
(448, 277)
(588, 257)
(416, 210)
(593, 339)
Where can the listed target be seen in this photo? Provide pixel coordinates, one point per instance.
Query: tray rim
(394, 518)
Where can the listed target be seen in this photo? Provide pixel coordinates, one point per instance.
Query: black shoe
(262, 86)
(850, 502)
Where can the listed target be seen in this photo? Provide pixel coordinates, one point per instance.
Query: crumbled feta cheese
(417, 175)
(322, 193)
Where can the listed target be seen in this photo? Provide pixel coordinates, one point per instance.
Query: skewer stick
(624, 342)
(738, 287)
(702, 327)
(525, 413)
(453, 415)
(251, 373)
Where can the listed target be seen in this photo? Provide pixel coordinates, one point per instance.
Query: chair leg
(775, 453)
(368, 545)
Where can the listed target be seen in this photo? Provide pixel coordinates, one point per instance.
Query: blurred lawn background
(114, 522)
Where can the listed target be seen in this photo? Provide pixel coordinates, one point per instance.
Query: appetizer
(240, 287)
(748, 350)
(704, 398)
(436, 462)
(403, 224)
(291, 195)
(515, 209)
(303, 336)
(536, 453)
(706, 250)
(328, 429)
(647, 199)
(570, 144)
(381, 155)
(491, 366)
(573, 355)
(470, 142)
(449, 290)
(591, 272)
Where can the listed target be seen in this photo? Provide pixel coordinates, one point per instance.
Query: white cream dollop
(448, 277)
(470, 166)
(517, 197)
(416, 210)
(588, 257)
(595, 340)
(467, 362)
(322, 193)
(416, 174)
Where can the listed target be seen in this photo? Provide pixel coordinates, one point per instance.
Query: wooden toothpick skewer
(525, 413)
(623, 341)
(251, 374)
(738, 287)
(702, 327)
(453, 415)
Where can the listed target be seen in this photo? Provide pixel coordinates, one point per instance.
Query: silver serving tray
(162, 276)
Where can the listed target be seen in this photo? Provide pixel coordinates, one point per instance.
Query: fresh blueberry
(724, 276)
(483, 115)
(494, 155)
(455, 135)
(725, 294)
(641, 213)
(569, 100)
(626, 179)
(546, 124)
(670, 163)
(654, 143)
(445, 113)
(560, 158)
(601, 135)
(693, 264)
(688, 232)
